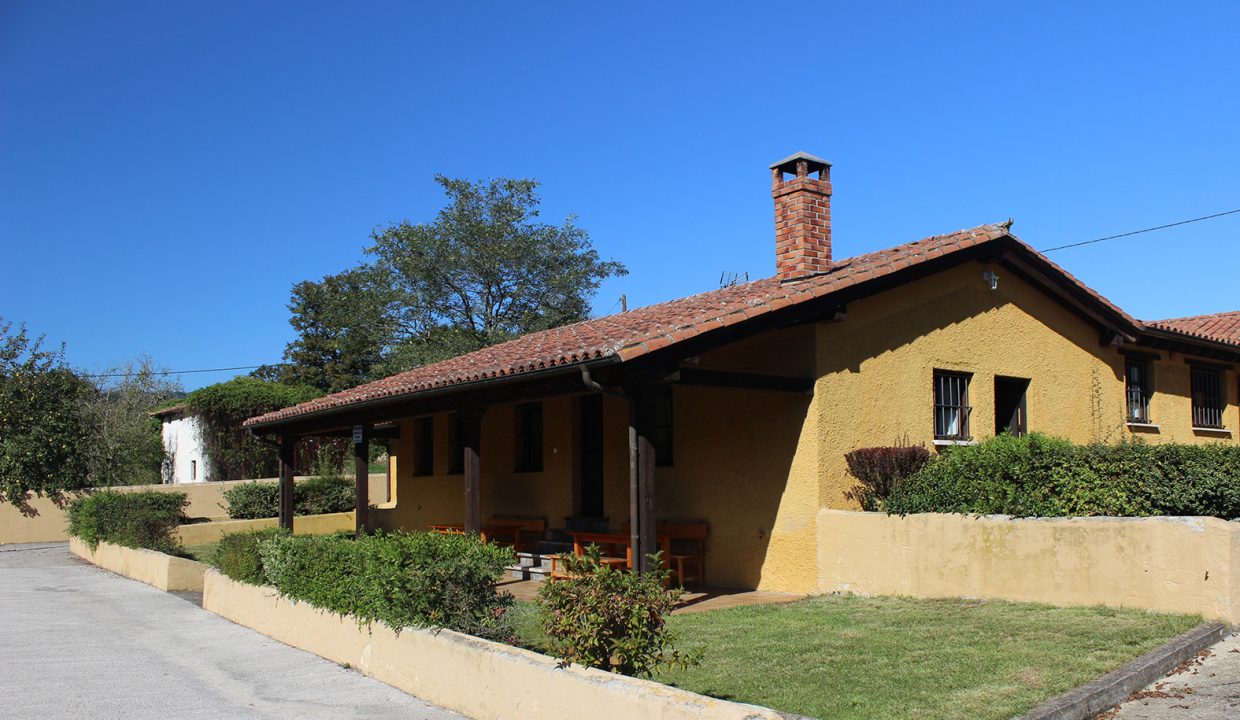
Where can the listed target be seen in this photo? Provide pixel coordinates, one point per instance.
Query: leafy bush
(1049, 477)
(399, 579)
(313, 496)
(237, 555)
(611, 619)
(879, 469)
(146, 519)
(253, 500)
(324, 494)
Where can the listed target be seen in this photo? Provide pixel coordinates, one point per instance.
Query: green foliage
(146, 519)
(1040, 476)
(399, 580)
(221, 408)
(237, 555)
(45, 436)
(879, 469)
(485, 271)
(128, 447)
(611, 619)
(253, 500)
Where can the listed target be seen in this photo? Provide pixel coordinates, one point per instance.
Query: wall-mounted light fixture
(992, 279)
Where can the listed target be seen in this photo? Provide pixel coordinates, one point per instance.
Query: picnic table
(609, 544)
(489, 532)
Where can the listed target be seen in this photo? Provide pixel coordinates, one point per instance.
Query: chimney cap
(789, 164)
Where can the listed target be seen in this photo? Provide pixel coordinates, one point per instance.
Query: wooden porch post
(286, 481)
(361, 480)
(641, 478)
(471, 438)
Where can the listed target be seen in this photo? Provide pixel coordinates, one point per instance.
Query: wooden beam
(1065, 296)
(738, 380)
(641, 476)
(287, 445)
(471, 437)
(361, 480)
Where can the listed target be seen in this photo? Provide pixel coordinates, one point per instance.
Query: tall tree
(484, 271)
(45, 437)
(128, 447)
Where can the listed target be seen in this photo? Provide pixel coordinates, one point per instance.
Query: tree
(485, 271)
(128, 447)
(45, 437)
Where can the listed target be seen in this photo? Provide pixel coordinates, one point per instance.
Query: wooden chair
(688, 553)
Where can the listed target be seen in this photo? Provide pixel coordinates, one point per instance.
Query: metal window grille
(424, 459)
(951, 406)
(529, 437)
(1138, 391)
(1207, 387)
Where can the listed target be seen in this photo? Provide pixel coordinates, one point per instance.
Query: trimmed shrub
(237, 555)
(146, 519)
(253, 500)
(324, 494)
(611, 619)
(879, 469)
(1040, 476)
(399, 579)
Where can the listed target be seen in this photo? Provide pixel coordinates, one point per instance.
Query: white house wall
(183, 443)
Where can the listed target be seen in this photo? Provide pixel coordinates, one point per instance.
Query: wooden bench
(685, 544)
(523, 527)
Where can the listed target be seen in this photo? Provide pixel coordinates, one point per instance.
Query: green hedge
(399, 580)
(1040, 476)
(314, 496)
(146, 519)
(237, 555)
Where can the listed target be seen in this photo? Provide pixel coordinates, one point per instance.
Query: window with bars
(456, 446)
(1207, 388)
(951, 405)
(664, 443)
(529, 440)
(1138, 389)
(424, 452)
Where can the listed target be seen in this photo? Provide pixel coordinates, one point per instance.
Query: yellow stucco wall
(758, 466)
(1183, 565)
(166, 572)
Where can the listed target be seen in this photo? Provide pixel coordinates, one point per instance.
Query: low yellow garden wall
(200, 533)
(1182, 564)
(475, 677)
(165, 572)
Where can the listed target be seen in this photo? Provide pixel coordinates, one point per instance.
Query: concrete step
(528, 572)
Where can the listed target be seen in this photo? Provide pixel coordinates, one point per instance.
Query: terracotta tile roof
(1221, 327)
(170, 410)
(629, 335)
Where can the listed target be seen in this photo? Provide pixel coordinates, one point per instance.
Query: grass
(204, 552)
(853, 657)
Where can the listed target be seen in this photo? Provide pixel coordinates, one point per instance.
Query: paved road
(1204, 689)
(80, 642)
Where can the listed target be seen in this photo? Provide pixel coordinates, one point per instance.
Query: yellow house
(734, 408)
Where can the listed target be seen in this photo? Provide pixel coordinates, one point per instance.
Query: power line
(1138, 232)
(184, 372)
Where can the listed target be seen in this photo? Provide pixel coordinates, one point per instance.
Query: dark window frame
(424, 447)
(951, 393)
(1208, 396)
(1137, 397)
(528, 437)
(456, 446)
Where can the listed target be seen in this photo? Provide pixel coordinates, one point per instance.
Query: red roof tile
(643, 330)
(1221, 327)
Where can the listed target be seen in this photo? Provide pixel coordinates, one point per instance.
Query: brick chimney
(802, 216)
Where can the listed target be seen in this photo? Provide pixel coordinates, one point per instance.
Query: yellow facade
(758, 466)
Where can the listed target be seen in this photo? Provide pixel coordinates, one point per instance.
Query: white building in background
(182, 433)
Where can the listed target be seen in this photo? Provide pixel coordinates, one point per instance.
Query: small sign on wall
(357, 434)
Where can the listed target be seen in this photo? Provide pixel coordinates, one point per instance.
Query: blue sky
(168, 170)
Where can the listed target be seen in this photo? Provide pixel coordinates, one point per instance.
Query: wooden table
(608, 542)
(487, 532)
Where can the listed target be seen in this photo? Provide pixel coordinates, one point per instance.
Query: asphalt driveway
(80, 642)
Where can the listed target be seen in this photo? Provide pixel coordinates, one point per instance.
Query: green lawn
(204, 552)
(853, 657)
